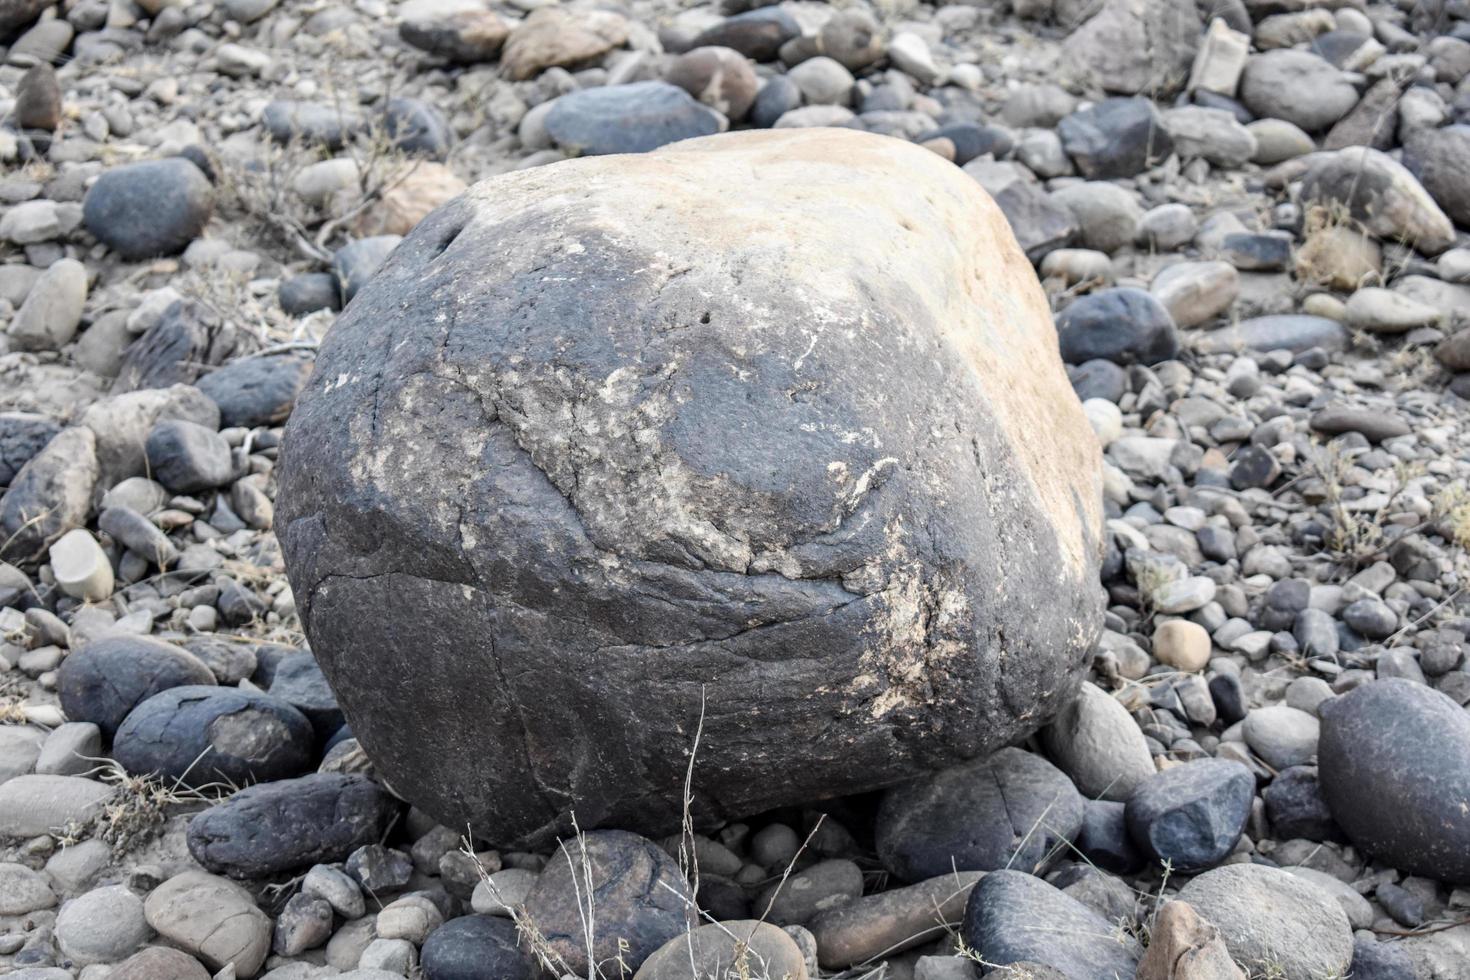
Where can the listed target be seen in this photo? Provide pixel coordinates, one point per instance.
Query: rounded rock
(809, 575)
(104, 680)
(102, 926)
(1096, 742)
(152, 208)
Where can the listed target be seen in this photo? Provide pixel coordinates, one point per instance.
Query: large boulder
(683, 447)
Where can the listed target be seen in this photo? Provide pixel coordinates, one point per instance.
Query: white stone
(81, 567)
(1220, 59)
(105, 925)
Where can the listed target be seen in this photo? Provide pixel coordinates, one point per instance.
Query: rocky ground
(1251, 220)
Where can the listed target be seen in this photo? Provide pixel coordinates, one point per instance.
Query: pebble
(1273, 920)
(810, 891)
(1096, 743)
(289, 824)
(102, 681)
(199, 736)
(890, 921)
(81, 567)
(176, 198)
(159, 963)
(502, 892)
(1192, 815)
(1401, 741)
(1010, 809)
(104, 925)
(637, 915)
(1281, 735)
(52, 311)
(187, 457)
(633, 118)
(31, 805)
(1182, 645)
(23, 891)
(211, 918)
(1001, 926)
(1124, 325)
(1118, 137)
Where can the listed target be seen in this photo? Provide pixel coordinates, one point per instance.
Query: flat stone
(891, 921)
(32, 805)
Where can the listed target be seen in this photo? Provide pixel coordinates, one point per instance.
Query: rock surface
(807, 569)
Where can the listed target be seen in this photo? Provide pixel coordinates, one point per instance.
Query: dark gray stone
(257, 391)
(151, 208)
(1192, 815)
(1437, 157)
(1296, 808)
(310, 122)
(1374, 424)
(1257, 252)
(418, 128)
(299, 682)
(474, 947)
(641, 895)
(633, 118)
(106, 679)
(199, 735)
(50, 495)
(1371, 617)
(187, 341)
(290, 824)
(309, 292)
(1407, 747)
(355, 263)
(380, 869)
(17, 15)
(22, 436)
(1119, 137)
(1316, 633)
(1402, 905)
(1104, 838)
(757, 34)
(1125, 325)
(1040, 223)
(1254, 466)
(1098, 378)
(776, 98)
(1013, 917)
(513, 608)
(138, 534)
(187, 457)
(1295, 332)
(1373, 960)
(971, 140)
(1011, 810)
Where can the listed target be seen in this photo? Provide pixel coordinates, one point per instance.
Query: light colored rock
(30, 222)
(1220, 59)
(889, 922)
(1212, 134)
(1105, 418)
(1278, 140)
(34, 805)
(212, 918)
(1339, 257)
(1107, 214)
(1274, 921)
(103, 926)
(1182, 644)
(557, 37)
(1358, 909)
(20, 750)
(1195, 292)
(1282, 735)
(1385, 311)
(317, 183)
(719, 949)
(1097, 744)
(49, 317)
(911, 55)
(1379, 192)
(1183, 946)
(1297, 86)
(81, 566)
(23, 891)
(71, 750)
(505, 890)
(1136, 46)
(410, 199)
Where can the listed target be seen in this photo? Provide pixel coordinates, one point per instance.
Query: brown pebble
(38, 100)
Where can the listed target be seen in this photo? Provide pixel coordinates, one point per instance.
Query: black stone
(187, 457)
(299, 682)
(309, 292)
(1257, 252)
(776, 98)
(106, 679)
(1394, 763)
(1402, 905)
(1119, 137)
(156, 207)
(1192, 815)
(357, 262)
(1373, 960)
(290, 824)
(1254, 466)
(257, 391)
(197, 735)
(1104, 839)
(418, 128)
(757, 34)
(633, 118)
(380, 869)
(1124, 325)
(971, 140)
(22, 436)
(237, 605)
(1012, 917)
(1011, 810)
(475, 947)
(1296, 808)
(642, 900)
(187, 340)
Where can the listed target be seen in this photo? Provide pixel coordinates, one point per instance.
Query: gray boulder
(555, 512)
(1013, 917)
(1400, 741)
(151, 208)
